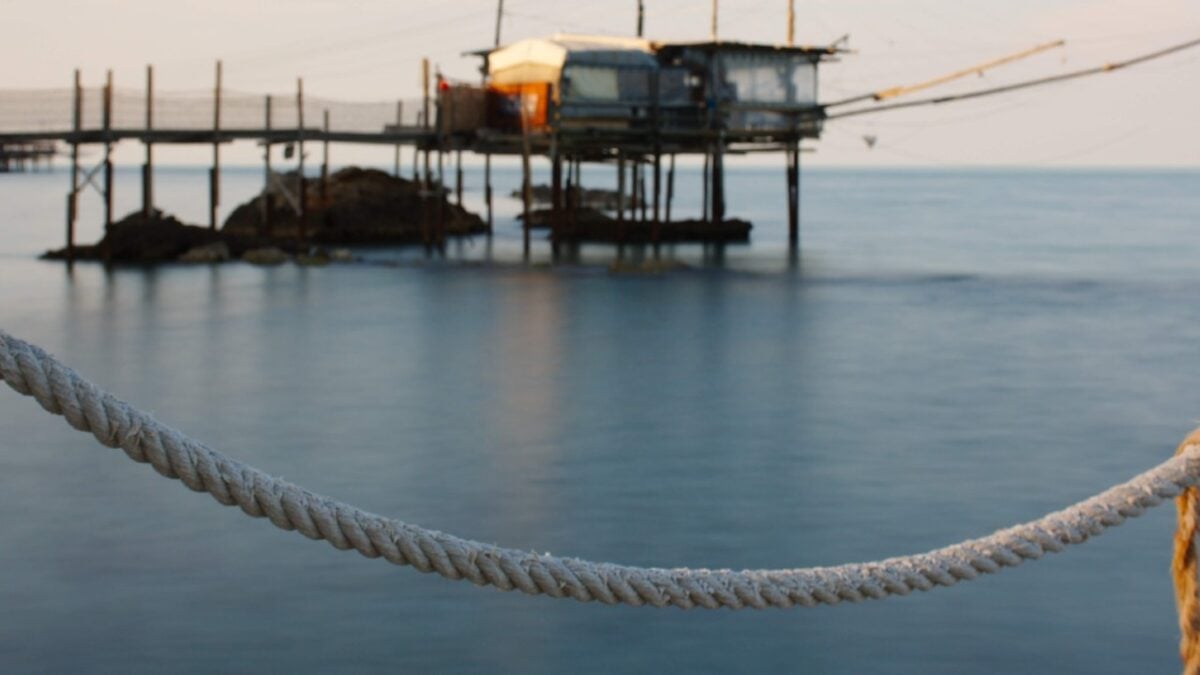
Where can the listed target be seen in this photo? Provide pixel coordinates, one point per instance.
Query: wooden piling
(214, 175)
(416, 170)
(718, 180)
(267, 209)
(656, 230)
(556, 193)
(526, 178)
(642, 202)
(794, 233)
(670, 188)
(324, 188)
(148, 167)
(399, 123)
(458, 178)
(792, 155)
(108, 165)
(620, 192)
(706, 178)
(487, 187)
(73, 195)
(441, 195)
(301, 182)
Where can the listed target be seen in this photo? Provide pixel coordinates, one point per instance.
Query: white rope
(31, 371)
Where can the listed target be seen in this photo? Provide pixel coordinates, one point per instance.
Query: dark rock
(353, 206)
(159, 238)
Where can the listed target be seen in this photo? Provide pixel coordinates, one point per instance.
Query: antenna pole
(641, 19)
(791, 25)
(714, 20)
(499, 16)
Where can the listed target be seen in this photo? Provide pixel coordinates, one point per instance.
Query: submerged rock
(209, 253)
(159, 238)
(268, 255)
(353, 206)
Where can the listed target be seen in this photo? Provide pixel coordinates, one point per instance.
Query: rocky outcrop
(158, 238)
(353, 206)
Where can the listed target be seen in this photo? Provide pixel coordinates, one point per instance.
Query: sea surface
(954, 351)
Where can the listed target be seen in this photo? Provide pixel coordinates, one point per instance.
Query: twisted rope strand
(30, 371)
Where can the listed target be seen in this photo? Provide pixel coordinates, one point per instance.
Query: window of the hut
(769, 79)
(590, 83)
(605, 83)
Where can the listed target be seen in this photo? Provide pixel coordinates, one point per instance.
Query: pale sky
(371, 50)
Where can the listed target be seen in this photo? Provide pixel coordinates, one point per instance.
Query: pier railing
(29, 370)
(50, 112)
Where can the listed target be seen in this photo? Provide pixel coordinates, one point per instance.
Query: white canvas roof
(542, 59)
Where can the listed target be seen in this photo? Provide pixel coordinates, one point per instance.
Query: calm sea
(954, 352)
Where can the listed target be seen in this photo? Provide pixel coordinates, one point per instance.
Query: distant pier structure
(21, 157)
(631, 104)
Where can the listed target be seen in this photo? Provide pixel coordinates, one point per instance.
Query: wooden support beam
(526, 178)
(642, 199)
(791, 155)
(108, 165)
(267, 206)
(324, 192)
(214, 176)
(556, 194)
(620, 192)
(487, 188)
(670, 188)
(425, 92)
(458, 178)
(656, 230)
(148, 167)
(441, 196)
(718, 180)
(302, 181)
(399, 123)
(791, 23)
(794, 235)
(73, 195)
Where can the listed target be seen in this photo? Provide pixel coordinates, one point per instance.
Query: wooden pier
(22, 156)
(631, 104)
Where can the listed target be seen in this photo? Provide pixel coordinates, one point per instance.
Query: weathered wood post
(458, 178)
(487, 188)
(301, 182)
(399, 123)
(325, 160)
(526, 177)
(620, 192)
(670, 188)
(719, 178)
(556, 194)
(214, 175)
(148, 167)
(792, 155)
(73, 195)
(108, 165)
(428, 122)
(267, 208)
(656, 116)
